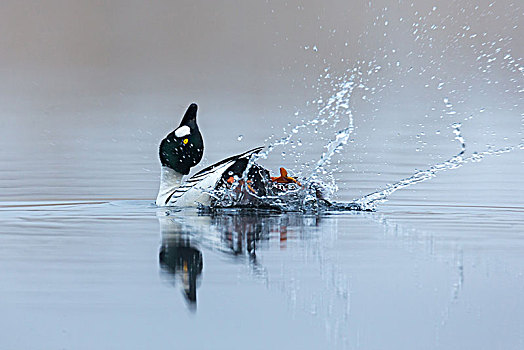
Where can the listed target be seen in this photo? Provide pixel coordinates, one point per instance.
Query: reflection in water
(179, 258)
(310, 259)
(241, 233)
(235, 234)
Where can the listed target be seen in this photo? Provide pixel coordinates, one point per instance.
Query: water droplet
(315, 48)
(240, 137)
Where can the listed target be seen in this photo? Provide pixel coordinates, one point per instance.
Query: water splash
(336, 106)
(370, 201)
(333, 147)
(335, 109)
(306, 198)
(313, 194)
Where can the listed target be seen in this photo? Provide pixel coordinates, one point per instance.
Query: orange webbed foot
(284, 178)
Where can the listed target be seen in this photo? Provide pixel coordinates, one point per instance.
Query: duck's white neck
(169, 181)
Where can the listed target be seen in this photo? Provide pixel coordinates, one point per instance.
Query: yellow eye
(185, 141)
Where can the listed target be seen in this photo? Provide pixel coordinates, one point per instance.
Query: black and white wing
(195, 190)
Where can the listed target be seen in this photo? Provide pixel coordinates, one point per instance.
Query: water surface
(87, 261)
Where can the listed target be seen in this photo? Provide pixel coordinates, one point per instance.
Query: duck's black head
(183, 147)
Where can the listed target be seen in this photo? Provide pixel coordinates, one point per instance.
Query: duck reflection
(240, 234)
(234, 234)
(180, 258)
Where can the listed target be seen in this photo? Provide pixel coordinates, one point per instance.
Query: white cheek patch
(182, 131)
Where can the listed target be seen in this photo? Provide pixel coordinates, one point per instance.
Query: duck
(183, 148)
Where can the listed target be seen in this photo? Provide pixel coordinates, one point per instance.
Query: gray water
(88, 91)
